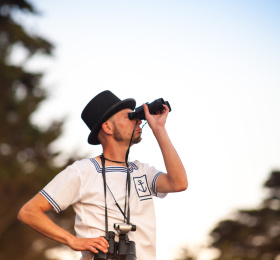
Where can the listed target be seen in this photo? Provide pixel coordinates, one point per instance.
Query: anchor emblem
(144, 189)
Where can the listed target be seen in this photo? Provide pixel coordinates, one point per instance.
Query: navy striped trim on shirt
(154, 183)
(131, 165)
(51, 201)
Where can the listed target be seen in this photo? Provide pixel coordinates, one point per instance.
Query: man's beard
(119, 138)
(136, 140)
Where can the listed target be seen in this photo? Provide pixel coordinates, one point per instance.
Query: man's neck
(115, 153)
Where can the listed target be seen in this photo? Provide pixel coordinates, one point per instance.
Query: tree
(26, 162)
(252, 234)
(186, 254)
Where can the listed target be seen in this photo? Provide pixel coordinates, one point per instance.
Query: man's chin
(137, 140)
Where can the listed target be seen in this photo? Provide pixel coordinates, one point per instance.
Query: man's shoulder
(84, 165)
(137, 165)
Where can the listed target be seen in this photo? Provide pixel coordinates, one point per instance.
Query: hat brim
(127, 103)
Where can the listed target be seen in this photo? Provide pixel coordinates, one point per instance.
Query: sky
(216, 62)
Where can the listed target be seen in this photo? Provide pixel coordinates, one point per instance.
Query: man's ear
(107, 127)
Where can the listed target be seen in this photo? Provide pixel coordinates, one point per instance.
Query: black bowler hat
(100, 109)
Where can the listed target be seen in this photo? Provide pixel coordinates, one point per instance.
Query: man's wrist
(160, 131)
(70, 240)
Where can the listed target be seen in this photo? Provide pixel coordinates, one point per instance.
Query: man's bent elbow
(182, 187)
(183, 184)
(21, 215)
(24, 215)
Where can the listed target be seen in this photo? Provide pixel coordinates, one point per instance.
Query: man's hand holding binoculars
(157, 121)
(91, 244)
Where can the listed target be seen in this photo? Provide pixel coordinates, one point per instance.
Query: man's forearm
(33, 215)
(40, 222)
(176, 178)
(176, 173)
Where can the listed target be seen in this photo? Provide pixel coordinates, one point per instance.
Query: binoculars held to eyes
(154, 108)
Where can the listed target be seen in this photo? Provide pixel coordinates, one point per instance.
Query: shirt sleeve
(152, 174)
(64, 189)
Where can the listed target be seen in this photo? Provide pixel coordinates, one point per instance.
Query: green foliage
(26, 162)
(252, 234)
(186, 254)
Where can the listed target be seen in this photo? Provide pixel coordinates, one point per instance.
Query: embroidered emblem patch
(141, 186)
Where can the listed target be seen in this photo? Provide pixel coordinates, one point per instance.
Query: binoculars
(122, 250)
(154, 107)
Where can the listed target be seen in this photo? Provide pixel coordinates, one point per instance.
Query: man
(128, 186)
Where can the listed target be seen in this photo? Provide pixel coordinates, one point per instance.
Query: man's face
(123, 127)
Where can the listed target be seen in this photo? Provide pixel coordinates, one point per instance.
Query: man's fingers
(99, 244)
(93, 250)
(166, 109)
(96, 248)
(102, 242)
(146, 109)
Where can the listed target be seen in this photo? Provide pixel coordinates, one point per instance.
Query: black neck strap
(110, 160)
(104, 181)
(126, 212)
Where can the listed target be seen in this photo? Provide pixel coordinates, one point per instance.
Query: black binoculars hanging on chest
(122, 250)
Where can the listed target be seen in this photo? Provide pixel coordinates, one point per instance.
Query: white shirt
(81, 185)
